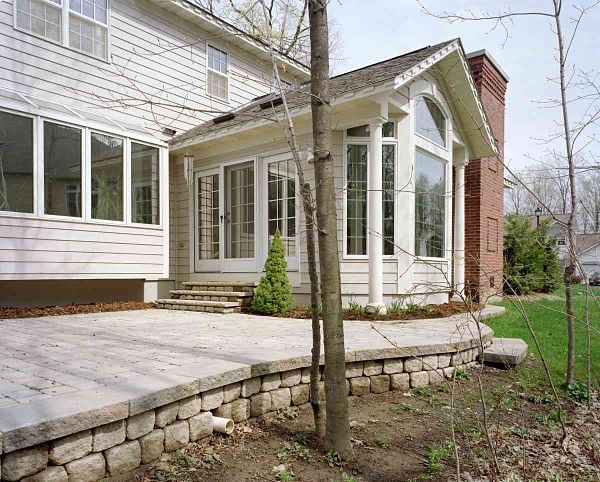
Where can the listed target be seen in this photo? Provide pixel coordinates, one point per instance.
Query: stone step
(197, 305)
(243, 297)
(505, 351)
(245, 286)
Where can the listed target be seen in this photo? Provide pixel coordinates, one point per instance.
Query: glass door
(207, 221)
(239, 217)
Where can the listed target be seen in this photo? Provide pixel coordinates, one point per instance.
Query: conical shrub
(274, 292)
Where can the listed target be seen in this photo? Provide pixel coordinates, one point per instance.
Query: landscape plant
(274, 292)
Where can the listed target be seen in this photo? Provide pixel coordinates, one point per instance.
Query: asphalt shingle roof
(340, 84)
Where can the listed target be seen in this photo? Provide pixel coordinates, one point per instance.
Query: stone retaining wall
(120, 447)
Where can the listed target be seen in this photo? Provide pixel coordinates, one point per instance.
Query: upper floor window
(87, 23)
(430, 120)
(217, 82)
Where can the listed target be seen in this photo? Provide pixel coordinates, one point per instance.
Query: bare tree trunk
(570, 268)
(337, 423)
(309, 217)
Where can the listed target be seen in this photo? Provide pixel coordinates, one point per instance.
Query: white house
(138, 151)
(90, 92)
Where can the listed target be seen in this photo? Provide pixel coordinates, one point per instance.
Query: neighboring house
(588, 247)
(99, 201)
(557, 229)
(90, 92)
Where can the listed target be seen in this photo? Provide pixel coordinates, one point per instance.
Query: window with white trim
(217, 82)
(430, 205)
(87, 20)
(356, 199)
(388, 153)
(430, 121)
(281, 194)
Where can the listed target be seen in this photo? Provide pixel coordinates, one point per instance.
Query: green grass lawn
(549, 323)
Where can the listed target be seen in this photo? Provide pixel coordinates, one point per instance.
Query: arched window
(430, 120)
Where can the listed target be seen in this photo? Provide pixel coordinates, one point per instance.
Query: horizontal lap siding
(48, 249)
(430, 276)
(160, 54)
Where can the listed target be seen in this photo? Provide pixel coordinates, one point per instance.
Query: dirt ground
(407, 437)
(11, 313)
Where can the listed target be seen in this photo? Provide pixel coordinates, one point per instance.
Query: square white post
(459, 228)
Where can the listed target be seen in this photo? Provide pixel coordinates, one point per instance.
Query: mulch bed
(419, 313)
(12, 313)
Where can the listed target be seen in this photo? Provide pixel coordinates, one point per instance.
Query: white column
(375, 218)
(459, 228)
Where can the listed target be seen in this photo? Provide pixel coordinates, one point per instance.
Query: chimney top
(485, 53)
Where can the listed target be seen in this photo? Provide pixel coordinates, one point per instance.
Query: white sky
(374, 30)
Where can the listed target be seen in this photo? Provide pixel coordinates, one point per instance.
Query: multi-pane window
(62, 170)
(240, 210)
(16, 163)
(87, 22)
(208, 216)
(388, 154)
(282, 203)
(430, 120)
(216, 73)
(41, 17)
(107, 177)
(430, 205)
(356, 199)
(145, 184)
(387, 130)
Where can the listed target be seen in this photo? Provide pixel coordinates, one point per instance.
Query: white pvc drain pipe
(222, 425)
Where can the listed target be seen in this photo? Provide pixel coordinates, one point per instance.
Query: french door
(225, 218)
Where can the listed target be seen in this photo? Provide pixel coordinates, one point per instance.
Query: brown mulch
(418, 313)
(73, 309)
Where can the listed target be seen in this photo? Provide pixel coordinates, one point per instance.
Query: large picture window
(389, 155)
(107, 177)
(16, 163)
(282, 203)
(430, 206)
(62, 170)
(87, 22)
(145, 185)
(356, 199)
(430, 120)
(216, 73)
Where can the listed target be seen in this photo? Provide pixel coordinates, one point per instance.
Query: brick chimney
(484, 186)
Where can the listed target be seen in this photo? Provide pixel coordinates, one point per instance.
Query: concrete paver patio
(41, 358)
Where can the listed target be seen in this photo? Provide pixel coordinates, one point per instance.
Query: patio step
(242, 297)
(508, 352)
(200, 305)
(243, 286)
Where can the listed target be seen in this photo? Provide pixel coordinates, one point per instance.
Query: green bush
(274, 292)
(530, 257)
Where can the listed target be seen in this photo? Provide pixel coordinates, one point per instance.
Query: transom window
(430, 205)
(217, 82)
(87, 23)
(430, 120)
(388, 130)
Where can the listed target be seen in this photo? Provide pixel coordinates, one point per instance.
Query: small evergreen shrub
(274, 292)
(530, 257)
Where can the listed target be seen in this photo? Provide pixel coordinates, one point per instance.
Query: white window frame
(64, 33)
(446, 119)
(87, 127)
(351, 140)
(293, 262)
(221, 74)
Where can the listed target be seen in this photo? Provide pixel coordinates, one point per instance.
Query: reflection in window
(387, 130)
(430, 120)
(216, 75)
(430, 206)
(208, 216)
(282, 203)
(40, 17)
(16, 163)
(145, 185)
(356, 199)
(107, 177)
(62, 170)
(388, 152)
